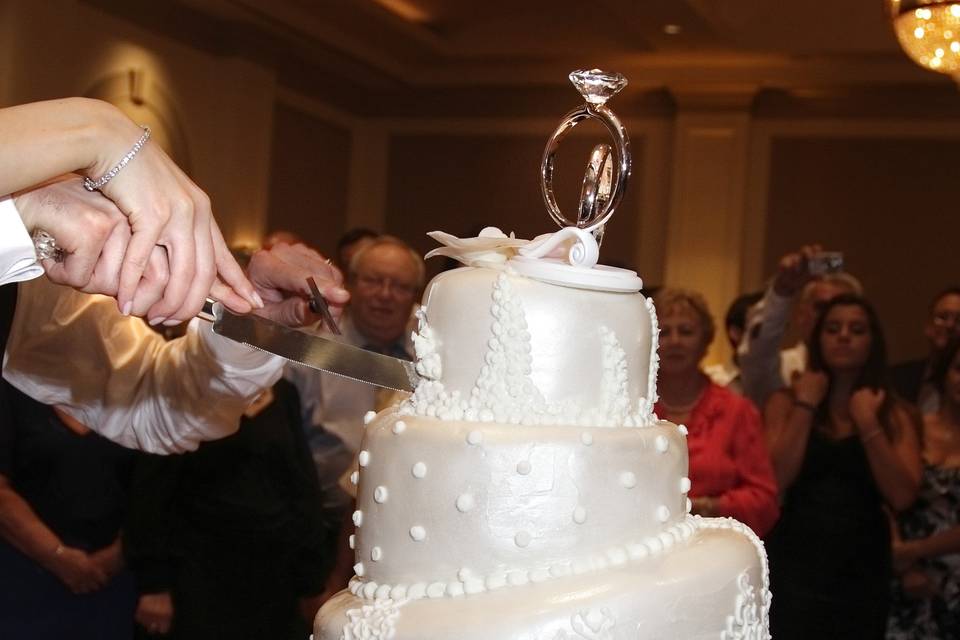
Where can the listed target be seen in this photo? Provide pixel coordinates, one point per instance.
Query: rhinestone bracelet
(94, 185)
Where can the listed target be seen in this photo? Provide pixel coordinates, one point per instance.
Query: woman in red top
(730, 471)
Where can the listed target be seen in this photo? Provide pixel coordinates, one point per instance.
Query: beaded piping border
(615, 556)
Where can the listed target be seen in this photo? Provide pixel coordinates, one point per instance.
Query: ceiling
(467, 57)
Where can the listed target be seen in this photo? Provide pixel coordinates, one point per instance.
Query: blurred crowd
(132, 505)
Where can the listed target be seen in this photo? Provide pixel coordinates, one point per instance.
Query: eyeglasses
(946, 319)
(376, 283)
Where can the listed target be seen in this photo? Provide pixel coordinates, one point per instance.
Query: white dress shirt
(764, 367)
(18, 258)
(116, 376)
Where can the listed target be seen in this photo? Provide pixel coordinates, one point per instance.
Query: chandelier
(929, 31)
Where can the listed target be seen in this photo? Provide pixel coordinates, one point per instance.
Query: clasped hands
(161, 261)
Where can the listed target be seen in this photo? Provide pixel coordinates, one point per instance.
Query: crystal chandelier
(929, 31)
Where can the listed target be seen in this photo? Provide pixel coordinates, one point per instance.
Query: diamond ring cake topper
(608, 169)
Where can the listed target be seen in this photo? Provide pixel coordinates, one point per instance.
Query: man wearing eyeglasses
(911, 379)
(384, 279)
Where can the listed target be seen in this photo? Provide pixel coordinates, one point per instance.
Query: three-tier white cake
(526, 491)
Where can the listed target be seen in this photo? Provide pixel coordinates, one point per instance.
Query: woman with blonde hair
(730, 470)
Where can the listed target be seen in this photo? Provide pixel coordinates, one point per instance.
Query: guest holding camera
(804, 282)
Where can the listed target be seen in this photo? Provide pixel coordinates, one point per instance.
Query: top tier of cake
(497, 346)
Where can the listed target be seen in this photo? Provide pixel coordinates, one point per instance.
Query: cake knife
(315, 351)
(311, 350)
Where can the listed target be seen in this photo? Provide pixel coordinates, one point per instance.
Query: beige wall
(224, 106)
(716, 195)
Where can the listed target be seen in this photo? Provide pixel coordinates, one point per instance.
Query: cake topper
(608, 169)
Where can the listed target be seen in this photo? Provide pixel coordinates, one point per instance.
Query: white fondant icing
(532, 362)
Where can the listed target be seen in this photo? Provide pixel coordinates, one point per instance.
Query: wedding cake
(526, 490)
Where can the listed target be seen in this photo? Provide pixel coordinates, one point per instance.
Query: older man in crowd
(384, 279)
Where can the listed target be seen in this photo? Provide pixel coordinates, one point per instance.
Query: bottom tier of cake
(713, 585)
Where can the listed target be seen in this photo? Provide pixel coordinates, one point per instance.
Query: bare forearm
(788, 446)
(897, 483)
(939, 544)
(43, 140)
(21, 527)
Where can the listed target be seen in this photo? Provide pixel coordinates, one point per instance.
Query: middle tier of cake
(446, 508)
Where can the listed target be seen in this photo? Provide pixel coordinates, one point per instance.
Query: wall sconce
(135, 84)
(929, 32)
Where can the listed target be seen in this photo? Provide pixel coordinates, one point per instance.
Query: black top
(832, 538)
(258, 484)
(76, 484)
(907, 378)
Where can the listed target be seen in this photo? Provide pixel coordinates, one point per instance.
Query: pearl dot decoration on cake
(684, 484)
(358, 518)
(399, 427)
(661, 443)
(355, 478)
(376, 554)
(369, 416)
(474, 437)
(524, 467)
(465, 502)
(586, 438)
(689, 505)
(380, 494)
(418, 533)
(663, 513)
(682, 429)
(358, 569)
(364, 458)
(579, 515)
(419, 470)
(353, 541)
(522, 539)
(628, 479)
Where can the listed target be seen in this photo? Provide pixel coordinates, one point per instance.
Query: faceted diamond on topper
(597, 86)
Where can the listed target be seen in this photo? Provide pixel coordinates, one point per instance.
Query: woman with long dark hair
(843, 449)
(926, 552)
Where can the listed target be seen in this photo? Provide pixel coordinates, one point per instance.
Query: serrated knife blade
(317, 352)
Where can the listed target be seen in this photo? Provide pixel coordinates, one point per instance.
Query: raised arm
(789, 417)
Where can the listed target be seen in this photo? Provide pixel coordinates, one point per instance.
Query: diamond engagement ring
(46, 246)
